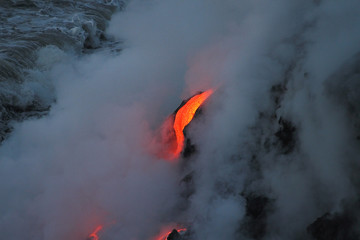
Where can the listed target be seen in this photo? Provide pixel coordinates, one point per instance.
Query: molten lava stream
(184, 116)
(94, 234)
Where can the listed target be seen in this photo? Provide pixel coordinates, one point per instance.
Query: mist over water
(34, 36)
(277, 144)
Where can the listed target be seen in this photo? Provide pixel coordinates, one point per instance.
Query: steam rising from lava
(277, 149)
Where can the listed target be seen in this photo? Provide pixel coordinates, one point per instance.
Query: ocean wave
(30, 28)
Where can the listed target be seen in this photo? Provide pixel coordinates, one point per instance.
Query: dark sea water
(34, 35)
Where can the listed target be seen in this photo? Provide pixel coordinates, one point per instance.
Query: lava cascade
(184, 116)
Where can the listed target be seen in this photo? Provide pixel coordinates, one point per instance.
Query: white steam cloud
(88, 162)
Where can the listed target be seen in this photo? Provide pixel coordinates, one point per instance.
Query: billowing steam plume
(276, 147)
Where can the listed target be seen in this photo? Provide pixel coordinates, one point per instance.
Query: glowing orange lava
(94, 234)
(169, 140)
(164, 236)
(184, 116)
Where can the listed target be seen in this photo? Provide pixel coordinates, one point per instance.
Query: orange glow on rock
(164, 236)
(94, 234)
(184, 116)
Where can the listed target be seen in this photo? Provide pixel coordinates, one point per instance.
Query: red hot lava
(173, 128)
(94, 234)
(184, 116)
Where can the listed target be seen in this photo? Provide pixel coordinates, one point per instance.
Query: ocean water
(35, 35)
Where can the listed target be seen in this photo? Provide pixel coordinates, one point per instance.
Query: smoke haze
(281, 131)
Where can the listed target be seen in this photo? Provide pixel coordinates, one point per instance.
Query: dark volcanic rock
(286, 135)
(189, 149)
(257, 208)
(11, 112)
(174, 235)
(333, 227)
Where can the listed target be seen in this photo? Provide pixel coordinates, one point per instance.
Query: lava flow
(184, 116)
(169, 142)
(164, 236)
(94, 234)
